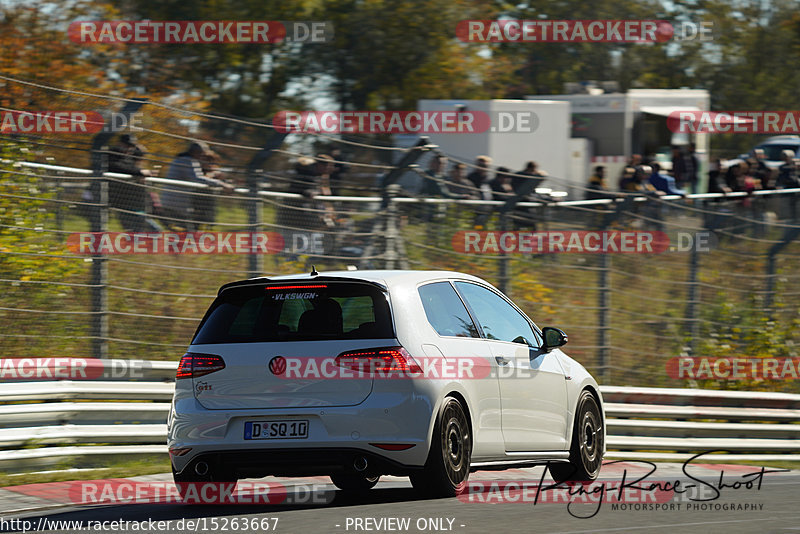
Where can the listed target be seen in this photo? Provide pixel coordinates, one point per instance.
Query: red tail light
(380, 360)
(193, 365)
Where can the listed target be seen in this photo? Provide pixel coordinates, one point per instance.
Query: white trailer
(618, 125)
(519, 131)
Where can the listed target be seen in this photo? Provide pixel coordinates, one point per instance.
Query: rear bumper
(257, 463)
(336, 436)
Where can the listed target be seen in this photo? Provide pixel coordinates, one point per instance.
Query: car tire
(447, 467)
(188, 476)
(586, 451)
(347, 482)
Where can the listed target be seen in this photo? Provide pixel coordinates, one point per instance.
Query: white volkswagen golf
(357, 374)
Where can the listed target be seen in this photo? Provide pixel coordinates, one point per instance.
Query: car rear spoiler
(263, 281)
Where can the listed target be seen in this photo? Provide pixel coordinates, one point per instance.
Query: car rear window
(297, 312)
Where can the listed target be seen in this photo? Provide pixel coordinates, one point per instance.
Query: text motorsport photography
(635, 491)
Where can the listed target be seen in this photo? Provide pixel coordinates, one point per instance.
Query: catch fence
(725, 285)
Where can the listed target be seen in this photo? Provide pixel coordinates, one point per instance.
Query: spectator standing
(691, 166)
(597, 187)
(178, 203)
(128, 195)
(629, 170)
(205, 205)
(788, 179)
(340, 168)
(323, 170)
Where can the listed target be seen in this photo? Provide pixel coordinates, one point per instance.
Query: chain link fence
(627, 314)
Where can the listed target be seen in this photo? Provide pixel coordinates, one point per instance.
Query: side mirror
(553, 338)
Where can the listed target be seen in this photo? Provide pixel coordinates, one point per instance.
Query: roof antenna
(314, 271)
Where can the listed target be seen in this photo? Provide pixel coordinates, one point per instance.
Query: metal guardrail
(43, 421)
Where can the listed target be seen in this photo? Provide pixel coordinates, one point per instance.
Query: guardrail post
(603, 309)
(502, 275)
(255, 264)
(99, 223)
(59, 203)
(390, 224)
(692, 322)
(254, 206)
(99, 277)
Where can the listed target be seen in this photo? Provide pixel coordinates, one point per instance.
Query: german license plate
(284, 429)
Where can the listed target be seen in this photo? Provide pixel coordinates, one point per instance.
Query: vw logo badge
(277, 365)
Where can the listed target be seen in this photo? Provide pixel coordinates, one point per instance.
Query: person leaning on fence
(747, 183)
(716, 178)
(433, 180)
(761, 171)
(629, 170)
(177, 204)
(524, 183)
(530, 172)
(637, 180)
(340, 168)
(325, 167)
(788, 179)
(459, 184)
(128, 196)
(480, 174)
(664, 182)
(434, 185)
(205, 205)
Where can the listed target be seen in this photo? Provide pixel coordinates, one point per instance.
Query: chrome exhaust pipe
(360, 464)
(201, 468)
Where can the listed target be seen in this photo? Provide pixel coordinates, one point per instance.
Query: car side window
(445, 311)
(498, 319)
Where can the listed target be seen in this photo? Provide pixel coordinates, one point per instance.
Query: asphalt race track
(733, 504)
